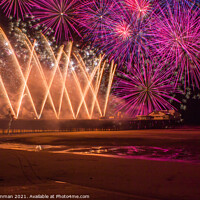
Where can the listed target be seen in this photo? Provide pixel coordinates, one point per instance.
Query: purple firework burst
(185, 3)
(176, 36)
(125, 37)
(145, 88)
(59, 16)
(95, 16)
(16, 7)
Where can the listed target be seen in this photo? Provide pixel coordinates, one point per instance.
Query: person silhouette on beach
(11, 118)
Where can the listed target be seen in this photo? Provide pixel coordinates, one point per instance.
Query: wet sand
(100, 177)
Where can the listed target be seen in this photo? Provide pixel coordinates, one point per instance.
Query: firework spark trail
(147, 87)
(83, 94)
(16, 7)
(141, 7)
(125, 36)
(185, 3)
(65, 78)
(26, 79)
(7, 98)
(112, 73)
(98, 82)
(33, 57)
(176, 36)
(67, 95)
(20, 70)
(58, 15)
(38, 65)
(86, 74)
(57, 68)
(94, 17)
(125, 30)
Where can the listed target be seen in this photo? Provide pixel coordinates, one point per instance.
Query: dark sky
(3, 20)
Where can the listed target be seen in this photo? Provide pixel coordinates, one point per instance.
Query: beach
(45, 172)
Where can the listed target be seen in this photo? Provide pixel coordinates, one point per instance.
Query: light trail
(19, 68)
(87, 95)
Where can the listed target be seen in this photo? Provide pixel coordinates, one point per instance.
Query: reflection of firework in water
(16, 7)
(59, 16)
(176, 36)
(145, 88)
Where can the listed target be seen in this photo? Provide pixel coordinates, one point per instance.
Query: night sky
(192, 113)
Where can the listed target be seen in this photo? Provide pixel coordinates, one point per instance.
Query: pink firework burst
(147, 87)
(141, 7)
(176, 36)
(16, 8)
(59, 16)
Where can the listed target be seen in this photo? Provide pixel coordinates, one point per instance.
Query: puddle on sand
(143, 152)
(26, 147)
(129, 152)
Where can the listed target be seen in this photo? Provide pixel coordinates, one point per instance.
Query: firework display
(146, 88)
(126, 37)
(65, 86)
(141, 7)
(155, 45)
(59, 16)
(96, 16)
(176, 38)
